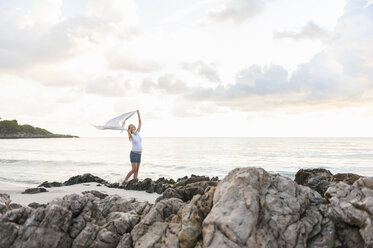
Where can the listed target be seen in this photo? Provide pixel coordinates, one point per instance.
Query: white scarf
(117, 123)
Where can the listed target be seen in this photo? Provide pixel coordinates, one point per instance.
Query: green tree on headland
(11, 127)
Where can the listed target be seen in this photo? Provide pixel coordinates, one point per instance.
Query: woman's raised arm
(139, 127)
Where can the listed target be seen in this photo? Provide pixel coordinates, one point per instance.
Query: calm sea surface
(38, 160)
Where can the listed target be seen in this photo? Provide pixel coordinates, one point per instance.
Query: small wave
(48, 162)
(13, 180)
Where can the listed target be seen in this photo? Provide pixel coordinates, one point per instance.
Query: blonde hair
(129, 132)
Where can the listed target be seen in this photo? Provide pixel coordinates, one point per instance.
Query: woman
(135, 155)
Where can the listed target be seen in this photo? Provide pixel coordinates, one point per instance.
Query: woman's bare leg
(137, 170)
(131, 171)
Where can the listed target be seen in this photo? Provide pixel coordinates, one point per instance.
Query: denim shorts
(135, 158)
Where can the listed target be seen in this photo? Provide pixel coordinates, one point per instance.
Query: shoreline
(36, 136)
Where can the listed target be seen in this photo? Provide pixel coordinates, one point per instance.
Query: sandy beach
(14, 190)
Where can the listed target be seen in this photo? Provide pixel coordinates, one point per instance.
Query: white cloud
(237, 11)
(121, 60)
(340, 75)
(207, 71)
(42, 44)
(309, 31)
(167, 83)
(109, 86)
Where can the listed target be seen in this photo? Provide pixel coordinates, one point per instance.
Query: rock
(14, 206)
(193, 179)
(113, 185)
(155, 228)
(131, 184)
(192, 215)
(365, 182)
(148, 185)
(248, 208)
(46, 227)
(34, 190)
(317, 179)
(252, 208)
(36, 205)
(162, 180)
(47, 184)
(85, 178)
(95, 193)
(8, 233)
(74, 221)
(352, 206)
(4, 203)
(348, 178)
(126, 241)
(186, 193)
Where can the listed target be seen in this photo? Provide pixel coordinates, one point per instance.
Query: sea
(34, 161)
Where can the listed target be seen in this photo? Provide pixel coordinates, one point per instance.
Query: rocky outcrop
(85, 178)
(349, 178)
(4, 203)
(184, 188)
(317, 179)
(187, 192)
(321, 179)
(191, 216)
(147, 185)
(95, 193)
(73, 221)
(248, 208)
(36, 205)
(34, 190)
(351, 209)
(252, 208)
(47, 184)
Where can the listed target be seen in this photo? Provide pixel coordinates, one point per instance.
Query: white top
(136, 142)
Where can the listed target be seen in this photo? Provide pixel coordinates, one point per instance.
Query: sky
(197, 68)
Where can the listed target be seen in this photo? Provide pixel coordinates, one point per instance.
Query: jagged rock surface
(248, 208)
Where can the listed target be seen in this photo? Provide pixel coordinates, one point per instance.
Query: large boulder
(252, 208)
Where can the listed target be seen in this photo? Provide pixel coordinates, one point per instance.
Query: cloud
(309, 31)
(237, 11)
(167, 83)
(340, 75)
(207, 71)
(43, 37)
(186, 109)
(121, 60)
(109, 87)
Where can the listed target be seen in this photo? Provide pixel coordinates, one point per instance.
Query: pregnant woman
(135, 155)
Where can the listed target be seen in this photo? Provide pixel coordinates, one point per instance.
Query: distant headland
(10, 129)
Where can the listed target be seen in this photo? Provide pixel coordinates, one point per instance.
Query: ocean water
(39, 160)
